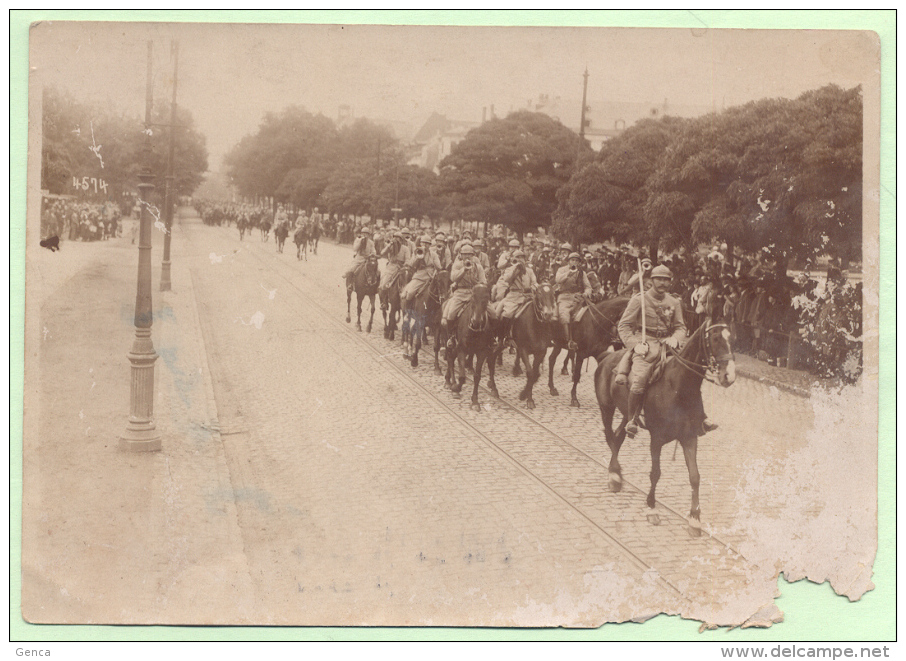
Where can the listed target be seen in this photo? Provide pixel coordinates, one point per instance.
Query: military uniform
(424, 268)
(463, 279)
(362, 249)
(514, 288)
(397, 253)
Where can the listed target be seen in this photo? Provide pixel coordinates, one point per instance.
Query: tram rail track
(288, 274)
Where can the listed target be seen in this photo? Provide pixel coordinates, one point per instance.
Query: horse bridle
(535, 306)
(712, 364)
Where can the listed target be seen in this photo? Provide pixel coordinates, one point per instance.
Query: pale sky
(230, 75)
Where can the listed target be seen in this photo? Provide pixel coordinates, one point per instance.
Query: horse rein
(711, 365)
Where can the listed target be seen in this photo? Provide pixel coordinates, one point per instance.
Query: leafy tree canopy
(508, 170)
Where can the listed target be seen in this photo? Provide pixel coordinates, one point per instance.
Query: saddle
(659, 365)
(522, 308)
(581, 313)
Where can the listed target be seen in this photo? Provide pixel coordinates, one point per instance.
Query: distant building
(606, 119)
(436, 137)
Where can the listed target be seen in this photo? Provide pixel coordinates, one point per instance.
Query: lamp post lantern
(141, 434)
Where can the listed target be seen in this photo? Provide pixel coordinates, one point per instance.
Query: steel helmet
(566, 246)
(467, 250)
(661, 271)
(574, 255)
(425, 239)
(514, 243)
(518, 253)
(365, 230)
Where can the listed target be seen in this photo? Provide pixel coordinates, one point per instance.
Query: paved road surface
(362, 485)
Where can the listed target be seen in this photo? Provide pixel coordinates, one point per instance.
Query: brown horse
(473, 334)
(391, 302)
(300, 238)
(421, 313)
(672, 407)
(532, 332)
(594, 334)
(365, 283)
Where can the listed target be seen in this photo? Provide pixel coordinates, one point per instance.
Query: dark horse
(314, 235)
(532, 331)
(422, 312)
(281, 231)
(300, 238)
(473, 333)
(594, 334)
(673, 406)
(365, 283)
(390, 303)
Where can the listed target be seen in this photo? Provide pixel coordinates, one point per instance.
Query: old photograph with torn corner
(304, 303)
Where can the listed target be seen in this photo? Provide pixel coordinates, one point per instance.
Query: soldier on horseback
(572, 285)
(443, 252)
(464, 274)
(397, 253)
(362, 249)
(664, 323)
(425, 264)
(505, 259)
(514, 288)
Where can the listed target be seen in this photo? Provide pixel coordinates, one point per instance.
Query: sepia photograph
(338, 324)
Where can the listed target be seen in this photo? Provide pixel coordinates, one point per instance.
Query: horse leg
(551, 362)
(532, 377)
(476, 380)
(690, 449)
(577, 374)
(384, 313)
(565, 370)
(348, 304)
(460, 376)
(522, 355)
(614, 442)
(439, 338)
(492, 367)
(656, 444)
(415, 341)
(358, 318)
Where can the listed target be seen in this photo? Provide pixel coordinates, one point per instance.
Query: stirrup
(707, 426)
(572, 346)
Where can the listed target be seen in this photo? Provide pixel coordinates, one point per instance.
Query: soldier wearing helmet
(465, 273)
(664, 324)
(443, 251)
(481, 255)
(362, 249)
(505, 259)
(514, 288)
(397, 254)
(466, 237)
(571, 284)
(424, 264)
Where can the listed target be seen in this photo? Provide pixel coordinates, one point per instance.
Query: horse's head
(545, 302)
(481, 296)
(720, 352)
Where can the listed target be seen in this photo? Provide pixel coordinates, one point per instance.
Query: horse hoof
(574, 402)
(517, 372)
(358, 327)
(616, 483)
(368, 330)
(564, 372)
(437, 371)
(654, 519)
(695, 527)
(554, 392)
(348, 320)
(522, 396)
(414, 362)
(476, 407)
(530, 403)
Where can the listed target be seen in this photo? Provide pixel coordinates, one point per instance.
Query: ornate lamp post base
(141, 434)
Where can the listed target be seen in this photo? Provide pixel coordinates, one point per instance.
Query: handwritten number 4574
(88, 182)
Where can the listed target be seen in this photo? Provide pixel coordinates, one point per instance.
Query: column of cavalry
(479, 299)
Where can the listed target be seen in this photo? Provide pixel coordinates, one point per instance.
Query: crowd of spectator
(72, 220)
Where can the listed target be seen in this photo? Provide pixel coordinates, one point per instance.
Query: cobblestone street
(334, 443)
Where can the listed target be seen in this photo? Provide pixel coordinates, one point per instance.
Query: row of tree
(778, 175)
(83, 142)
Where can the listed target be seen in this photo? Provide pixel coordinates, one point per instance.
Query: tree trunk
(652, 251)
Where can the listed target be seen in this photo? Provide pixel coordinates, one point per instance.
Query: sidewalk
(793, 381)
(110, 536)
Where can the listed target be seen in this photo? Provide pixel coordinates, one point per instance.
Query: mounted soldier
(663, 322)
(443, 252)
(504, 261)
(362, 249)
(425, 264)
(514, 288)
(481, 255)
(464, 274)
(572, 287)
(397, 254)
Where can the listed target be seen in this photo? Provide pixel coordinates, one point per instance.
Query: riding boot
(623, 368)
(707, 426)
(570, 344)
(635, 408)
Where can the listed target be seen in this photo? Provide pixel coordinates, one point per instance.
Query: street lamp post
(169, 200)
(141, 434)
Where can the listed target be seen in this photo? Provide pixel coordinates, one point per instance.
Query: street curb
(780, 385)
